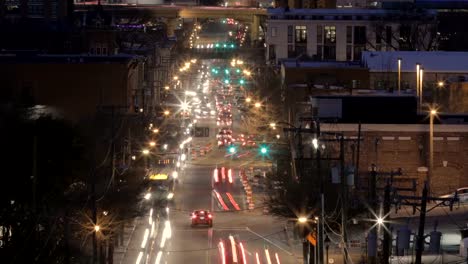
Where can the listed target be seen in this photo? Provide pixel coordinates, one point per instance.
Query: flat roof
(366, 94)
(319, 64)
(341, 127)
(431, 61)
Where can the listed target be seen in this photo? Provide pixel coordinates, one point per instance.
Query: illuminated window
(301, 34)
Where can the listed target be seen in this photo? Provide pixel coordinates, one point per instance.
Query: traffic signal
(226, 81)
(232, 149)
(241, 81)
(264, 150)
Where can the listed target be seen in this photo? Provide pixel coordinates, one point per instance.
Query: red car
(202, 217)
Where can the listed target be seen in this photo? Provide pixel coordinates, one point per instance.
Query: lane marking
(221, 201)
(233, 202)
(266, 239)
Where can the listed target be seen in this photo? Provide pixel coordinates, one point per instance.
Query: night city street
(234, 132)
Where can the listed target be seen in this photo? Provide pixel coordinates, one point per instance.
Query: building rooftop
(431, 61)
(336, 11)
(64, 58)
(438, 128)
(319, 64)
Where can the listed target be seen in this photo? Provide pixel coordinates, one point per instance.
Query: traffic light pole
(422, 222)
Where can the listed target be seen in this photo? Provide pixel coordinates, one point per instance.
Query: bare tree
(415, 30)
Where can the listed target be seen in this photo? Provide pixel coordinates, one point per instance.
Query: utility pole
(422, 221)
(387, 231)
(94, 213)
(344, 202)
(357, 156)
(372, 237)
(112, 146)
(34, 171)
(320, 229)
(93, 175)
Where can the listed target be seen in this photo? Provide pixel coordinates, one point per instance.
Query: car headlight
(170, 195)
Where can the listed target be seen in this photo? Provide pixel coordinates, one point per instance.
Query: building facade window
(326, 42)
(330, 34)
(388, 36)
(349, 52)
(360, 37)
(329, 44)
(319, 34)
(291, 53)
(273, 31)
(290, 34)
(349, 34)
(378, 37)
(301, 34)
(360, 41)
(272, 52)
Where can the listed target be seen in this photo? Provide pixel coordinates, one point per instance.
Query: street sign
(312, 240)
(202, 132)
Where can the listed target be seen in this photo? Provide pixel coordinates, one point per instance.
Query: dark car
(202, 217)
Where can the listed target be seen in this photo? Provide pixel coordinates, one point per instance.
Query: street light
(145, 151)
(97, 228)
(152, 143)
(248, 100)
(302, 220)
(155, 131)
(166, 113)
(258, 104)
(176, 78)
(440, 84)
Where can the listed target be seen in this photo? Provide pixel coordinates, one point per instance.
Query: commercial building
(440, 68)
(343, 34)
(394, 136)
(49, 10)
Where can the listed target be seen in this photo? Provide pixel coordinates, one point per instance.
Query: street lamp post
(417, 79)
(399, 75)
(432, 113)
(421, 71)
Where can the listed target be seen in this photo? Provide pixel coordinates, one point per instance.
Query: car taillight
(194, 216)
(230, 175)
(215, 175)
(210, 216)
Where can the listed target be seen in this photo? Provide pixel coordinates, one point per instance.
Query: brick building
(406, 146)
(394, 135)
